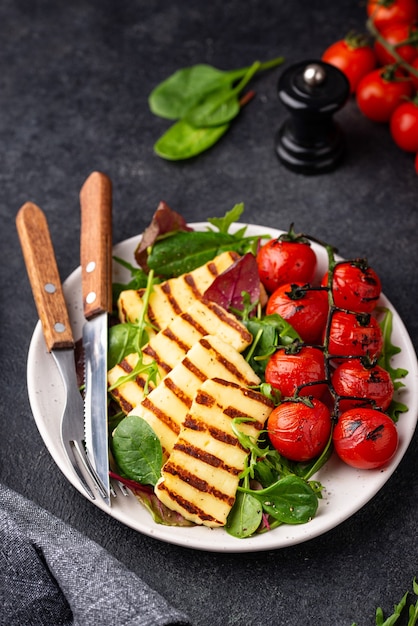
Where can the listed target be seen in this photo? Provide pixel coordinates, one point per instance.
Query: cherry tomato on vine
(354, 334)
(395, 35)
(380, 92)
(404, 126)
(353, 56)
(365, 438)
(388, 13)
(286, 259)
(294, 367)
(355, 286)
(368, 382)
(299, 431)
(306, 309)
(414, 79)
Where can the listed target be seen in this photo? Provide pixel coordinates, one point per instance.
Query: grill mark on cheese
(149, 351)
(192, 367)
(179, 393)
(230, 367)
(197, 483)
(161, 415)
(167, 332)
(166, 289)
(189, 506)
(227, 319)
(205, 457)
(123, 403)
(190, 282)
(220, 435)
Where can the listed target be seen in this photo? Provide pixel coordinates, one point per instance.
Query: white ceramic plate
(346, 489)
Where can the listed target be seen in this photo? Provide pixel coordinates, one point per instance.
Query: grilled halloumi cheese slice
(200, 478)
(170, 345)
(167, 405)
(175, 295)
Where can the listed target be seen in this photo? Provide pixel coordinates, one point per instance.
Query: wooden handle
(44, 278)
(96, 244)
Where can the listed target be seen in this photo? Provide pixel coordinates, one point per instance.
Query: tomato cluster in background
(330, 382)
(382, 68)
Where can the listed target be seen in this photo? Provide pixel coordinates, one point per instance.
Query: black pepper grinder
(310, 142)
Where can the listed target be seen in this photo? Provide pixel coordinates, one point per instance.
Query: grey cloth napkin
(52, 575)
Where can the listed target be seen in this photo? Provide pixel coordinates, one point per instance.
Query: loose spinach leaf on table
(204, 101)
(184, 141)
(220, 106)
(174, 97)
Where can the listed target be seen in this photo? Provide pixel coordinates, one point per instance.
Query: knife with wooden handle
(44, 278)
(96, 273)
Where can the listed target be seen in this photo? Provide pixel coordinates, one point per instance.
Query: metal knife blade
(96, 273)
(44, 278)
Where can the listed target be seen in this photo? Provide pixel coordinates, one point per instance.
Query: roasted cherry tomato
(354, 334)
(404, 126)
(306, 309)
(366, 384)
(380, 92)
(299, 431)
(395, 34)
(291, 369)
(365, 438)
(355, 286)
(289, 258)
(353, 56)
(385, 14)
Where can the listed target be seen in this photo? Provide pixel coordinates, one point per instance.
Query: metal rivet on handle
(59, 327)
(91, 297)
(50, 288)
(90, 267)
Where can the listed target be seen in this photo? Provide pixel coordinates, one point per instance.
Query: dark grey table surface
(74, 81)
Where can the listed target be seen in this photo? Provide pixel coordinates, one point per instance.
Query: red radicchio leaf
(226, 290)
(164, 221)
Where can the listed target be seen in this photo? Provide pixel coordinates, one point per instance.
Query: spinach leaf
(137, 450)
(290, 500)
(245, 516)
(204, 101)
(220, 106)
(177, 94)
(123, 340)
(185, 251)
(184, 141)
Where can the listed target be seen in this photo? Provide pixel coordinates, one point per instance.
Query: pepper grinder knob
(309, 141)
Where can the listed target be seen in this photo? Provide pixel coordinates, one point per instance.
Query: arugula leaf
(385, 361)
(269, 332)
(138, 281)
(398, 610)
(223, 223)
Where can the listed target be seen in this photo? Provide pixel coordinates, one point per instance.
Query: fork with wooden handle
(47, 291)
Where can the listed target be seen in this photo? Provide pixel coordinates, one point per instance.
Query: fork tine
(72, 428)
